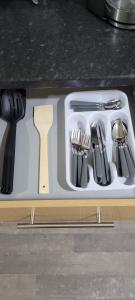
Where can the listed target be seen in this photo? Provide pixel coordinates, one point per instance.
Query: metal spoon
(128, 154)
(81, 105)
(124, 161)
(119, 131)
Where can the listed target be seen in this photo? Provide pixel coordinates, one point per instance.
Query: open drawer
(26, 176)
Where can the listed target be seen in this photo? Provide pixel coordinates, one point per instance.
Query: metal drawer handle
(99, 223)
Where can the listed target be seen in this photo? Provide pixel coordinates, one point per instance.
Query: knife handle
(98, 162)
(94, 166)
(85, 171)
(107, 166)
(124, 165)
(79, 167)
(74, 167)
(118, 162)
(130, 162)
(86, 104)
(104, 179)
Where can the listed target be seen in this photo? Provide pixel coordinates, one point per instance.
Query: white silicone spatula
(43, 119)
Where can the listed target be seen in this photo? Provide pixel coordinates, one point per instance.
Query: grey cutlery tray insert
(27, 158)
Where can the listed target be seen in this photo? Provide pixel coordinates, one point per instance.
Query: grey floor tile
(17, 287)
(83, 287)
(69, 263)
(59, 264)
(86, 297)
(55, 297)
(35, 243)
(105, 242)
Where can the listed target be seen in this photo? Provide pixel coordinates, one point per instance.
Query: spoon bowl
(119, 131)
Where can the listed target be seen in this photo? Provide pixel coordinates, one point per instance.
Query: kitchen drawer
(26, 175)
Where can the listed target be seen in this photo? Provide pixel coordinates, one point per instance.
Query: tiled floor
(67, 264)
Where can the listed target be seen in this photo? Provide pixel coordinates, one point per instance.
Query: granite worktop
(60, 43)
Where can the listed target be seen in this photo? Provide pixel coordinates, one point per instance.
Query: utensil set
(124, 160)
(101, 167)
(81, 146)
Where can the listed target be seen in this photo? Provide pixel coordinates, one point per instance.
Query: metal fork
(76, 137)
(85, 171)
(85, 142)
(76, 143)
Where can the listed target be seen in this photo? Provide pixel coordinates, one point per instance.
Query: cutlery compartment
(130, 141)
(75, 120)
(102, 119)
(118, 185)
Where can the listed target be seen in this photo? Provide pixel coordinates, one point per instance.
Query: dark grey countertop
(60, 43)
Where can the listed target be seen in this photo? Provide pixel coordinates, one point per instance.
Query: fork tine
(86, 141)
(79, 135)
(80, 138)
(75, 135)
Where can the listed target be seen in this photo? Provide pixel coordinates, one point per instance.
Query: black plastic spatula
(12, 108)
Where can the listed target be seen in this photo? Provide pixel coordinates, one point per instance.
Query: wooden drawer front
(14, 214)
(84, 214)
(71, 214)
(61, 214)
(118, 213)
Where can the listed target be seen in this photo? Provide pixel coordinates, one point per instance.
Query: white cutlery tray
(83, 120)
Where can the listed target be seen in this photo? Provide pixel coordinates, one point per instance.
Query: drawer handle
(97, 224)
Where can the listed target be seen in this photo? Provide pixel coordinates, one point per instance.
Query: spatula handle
(9, 158)
(43, 172)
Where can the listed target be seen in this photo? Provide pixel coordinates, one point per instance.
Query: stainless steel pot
(121, 13)
(35, 1)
